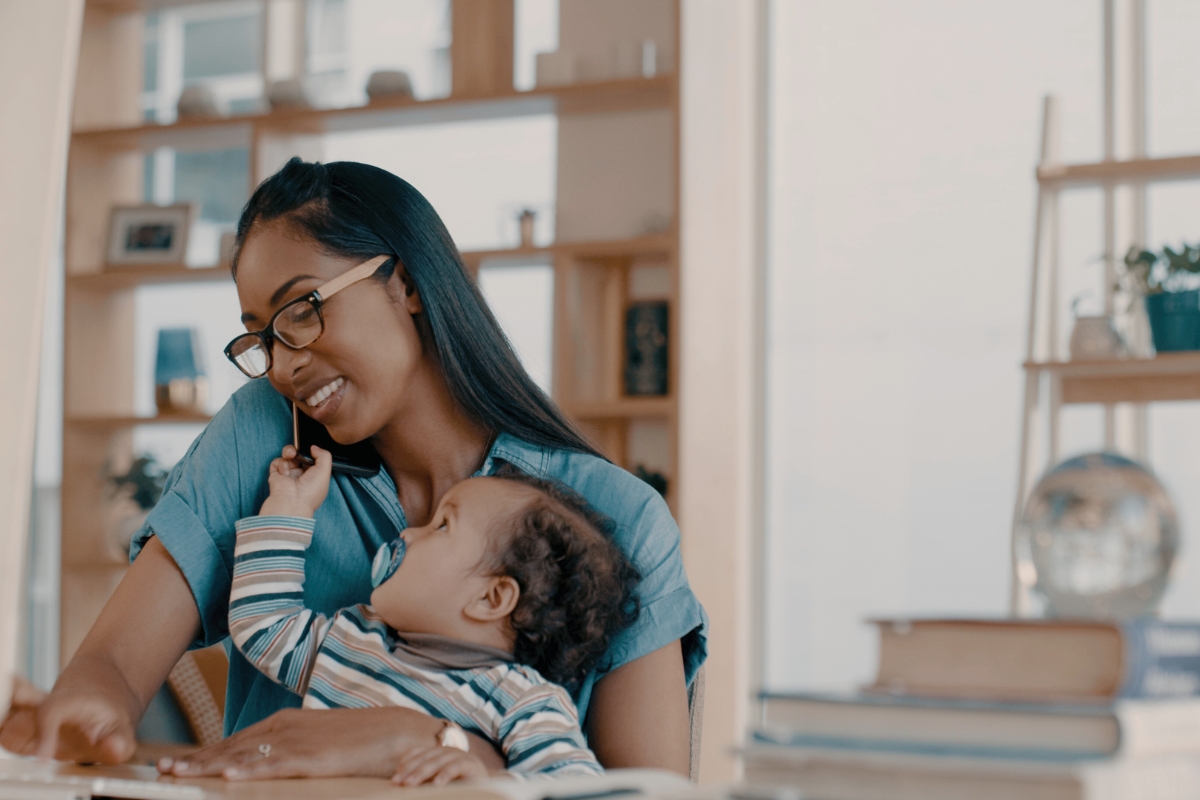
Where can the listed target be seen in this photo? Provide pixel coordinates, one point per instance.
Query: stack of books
(999, 709)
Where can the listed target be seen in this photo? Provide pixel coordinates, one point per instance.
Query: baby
(512, 592)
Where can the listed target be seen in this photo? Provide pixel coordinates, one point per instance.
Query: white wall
(903, 142)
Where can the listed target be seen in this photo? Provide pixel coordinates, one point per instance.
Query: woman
(410, 358)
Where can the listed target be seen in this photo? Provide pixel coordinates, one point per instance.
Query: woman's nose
(285, 361)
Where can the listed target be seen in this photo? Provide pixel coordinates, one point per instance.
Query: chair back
(695, 722)
(198, 684)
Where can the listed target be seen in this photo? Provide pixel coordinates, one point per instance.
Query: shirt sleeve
(221, 479)
(267, 618)
(540, 734)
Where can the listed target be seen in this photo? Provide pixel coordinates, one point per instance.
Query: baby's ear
(497, 601)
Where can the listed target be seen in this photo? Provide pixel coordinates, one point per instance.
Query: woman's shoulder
(255, 420)
(610, 489)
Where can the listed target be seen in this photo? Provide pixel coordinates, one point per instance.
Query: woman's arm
(97, 701)
(639, 714)
(638, 718)
(311, 743)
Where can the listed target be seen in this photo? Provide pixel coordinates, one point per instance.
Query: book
(834, 774)
(646, 337)
(1043, 660)
(1032, 731)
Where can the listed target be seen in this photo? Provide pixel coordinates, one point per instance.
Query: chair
(695, 723)
(198, 684)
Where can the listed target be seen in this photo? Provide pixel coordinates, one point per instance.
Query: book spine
(1162, 659)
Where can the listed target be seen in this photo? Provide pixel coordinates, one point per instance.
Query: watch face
(454, 736)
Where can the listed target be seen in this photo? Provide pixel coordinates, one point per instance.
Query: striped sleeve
(267, 618)
(540, 734)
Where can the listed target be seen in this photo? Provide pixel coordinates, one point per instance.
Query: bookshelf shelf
(1164, 378)
(624, 408)
(120, 278)
(115, 422)
(650, 245)
(578, 98)
(129, 277)
(1137, 170)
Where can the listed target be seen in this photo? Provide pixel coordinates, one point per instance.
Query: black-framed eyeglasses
(297, 325)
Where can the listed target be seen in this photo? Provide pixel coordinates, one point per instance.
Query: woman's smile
(323, 404)
(321, 395)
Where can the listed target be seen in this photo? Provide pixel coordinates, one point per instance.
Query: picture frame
(148, 234)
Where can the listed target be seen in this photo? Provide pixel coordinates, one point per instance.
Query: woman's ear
(496, 602)
(408, 290)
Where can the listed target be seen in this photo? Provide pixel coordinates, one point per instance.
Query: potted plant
(1169, 281)
(133, 493)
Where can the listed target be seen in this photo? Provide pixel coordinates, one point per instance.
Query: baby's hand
(297, 491)
(439, 766)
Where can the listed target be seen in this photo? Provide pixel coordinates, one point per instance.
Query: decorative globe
(1097, 538)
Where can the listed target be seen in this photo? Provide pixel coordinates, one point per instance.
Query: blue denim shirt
(223, 478)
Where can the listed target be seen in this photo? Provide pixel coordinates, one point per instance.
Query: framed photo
(148, 234)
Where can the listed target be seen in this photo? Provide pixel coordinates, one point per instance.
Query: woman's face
(353, 379)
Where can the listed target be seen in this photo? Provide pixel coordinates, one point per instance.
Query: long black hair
(358, 211)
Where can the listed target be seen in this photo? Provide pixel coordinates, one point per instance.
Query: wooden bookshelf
(579, 98)
(1164, 378)
(601, 261)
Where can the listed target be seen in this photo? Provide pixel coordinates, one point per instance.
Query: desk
(647, 783)
(43, 774)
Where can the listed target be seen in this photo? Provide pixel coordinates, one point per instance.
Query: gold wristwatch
(452, 735)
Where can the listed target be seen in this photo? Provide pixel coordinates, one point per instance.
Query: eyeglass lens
(297, 326)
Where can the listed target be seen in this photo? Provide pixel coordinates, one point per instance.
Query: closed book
(1039, 731)
(864, 775)
(1050, 660)
(646, 341)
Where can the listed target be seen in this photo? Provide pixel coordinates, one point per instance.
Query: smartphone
(353, 459)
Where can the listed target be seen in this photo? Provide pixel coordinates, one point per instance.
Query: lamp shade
(178, 355)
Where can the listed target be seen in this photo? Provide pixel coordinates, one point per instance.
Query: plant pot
(1174, 320)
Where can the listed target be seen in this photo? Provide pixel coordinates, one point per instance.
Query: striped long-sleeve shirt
(354, 660)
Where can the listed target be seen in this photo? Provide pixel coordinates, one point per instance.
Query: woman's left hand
(437, 765)
(318, 744)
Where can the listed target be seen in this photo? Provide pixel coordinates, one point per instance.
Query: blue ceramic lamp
(180, 385)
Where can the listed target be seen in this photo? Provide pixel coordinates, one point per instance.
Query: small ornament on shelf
(1095, 337)
(558, 68)
(646, 348)
(526, 220)
(388, 84)
(289, 95)
(198, 101)
(180, 385)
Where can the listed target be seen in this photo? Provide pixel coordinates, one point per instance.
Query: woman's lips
(321, 395)
(327, 408)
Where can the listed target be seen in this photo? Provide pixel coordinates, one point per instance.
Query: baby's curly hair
(577, 587)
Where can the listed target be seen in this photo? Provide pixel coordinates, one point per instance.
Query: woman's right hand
(92, 713)
(83, 725)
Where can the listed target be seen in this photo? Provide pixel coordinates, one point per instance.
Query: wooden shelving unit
(1164, 378)
(598, 270)
(1051, 382)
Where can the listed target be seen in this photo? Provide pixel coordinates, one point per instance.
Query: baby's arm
(267, 618)
(541, 734)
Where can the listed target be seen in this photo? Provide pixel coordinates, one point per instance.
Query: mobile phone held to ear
(353, 459)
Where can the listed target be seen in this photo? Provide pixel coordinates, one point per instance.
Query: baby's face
(443, 569)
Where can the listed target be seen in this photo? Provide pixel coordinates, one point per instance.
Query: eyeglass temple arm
(364, 270)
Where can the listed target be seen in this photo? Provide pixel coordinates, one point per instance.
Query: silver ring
(265, 749)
